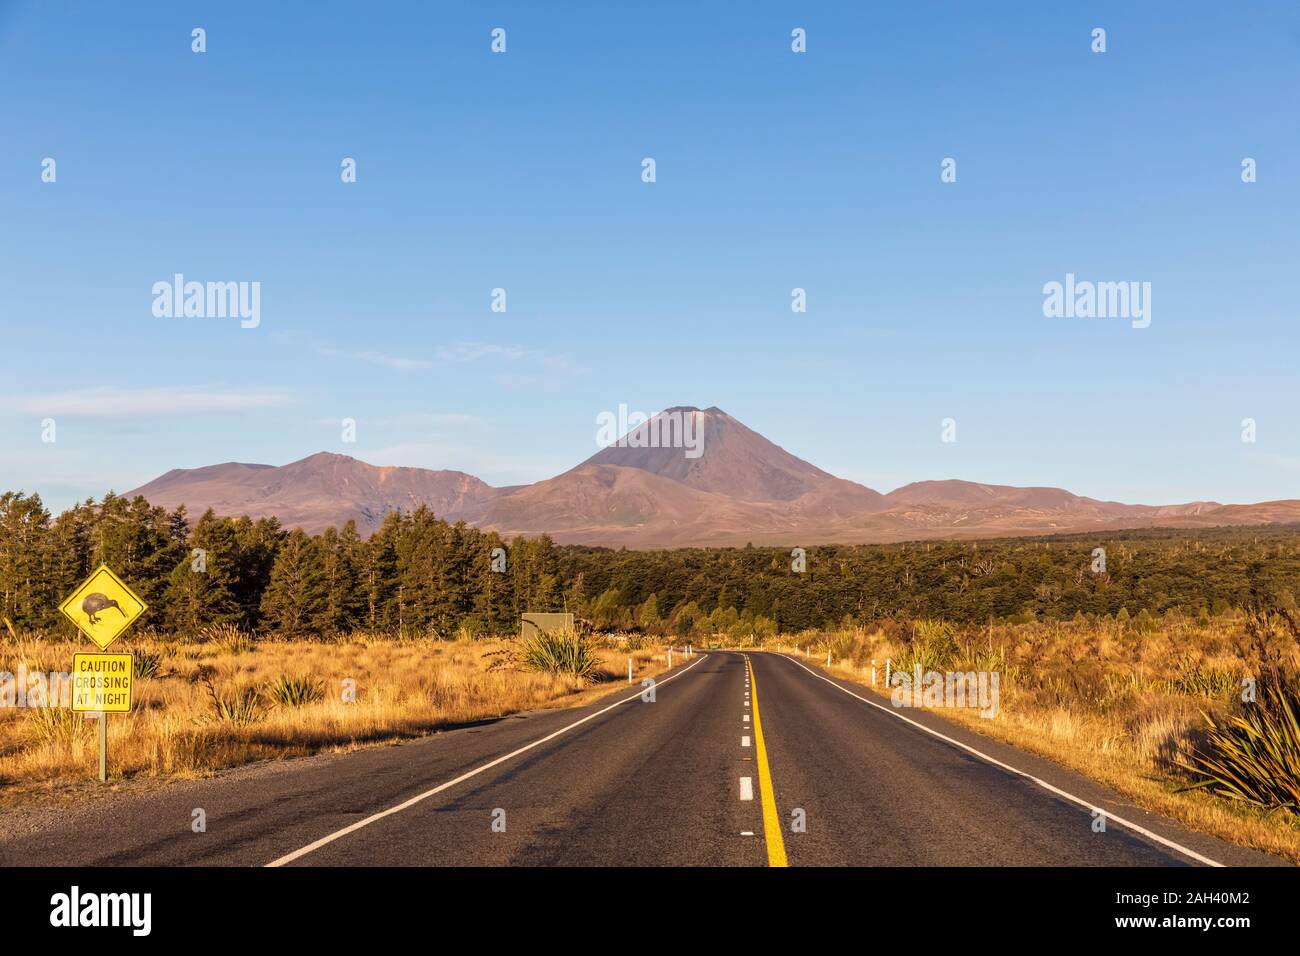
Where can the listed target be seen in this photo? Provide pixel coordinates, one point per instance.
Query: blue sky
(775, 170)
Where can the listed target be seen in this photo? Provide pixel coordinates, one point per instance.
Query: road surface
(741, 759)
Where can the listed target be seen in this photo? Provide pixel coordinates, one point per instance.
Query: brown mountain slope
(318, 491)
(1263, 512)
(972, 495)
(620, 506)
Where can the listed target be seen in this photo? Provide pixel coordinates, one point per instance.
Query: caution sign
(103, 607)
(102, 683)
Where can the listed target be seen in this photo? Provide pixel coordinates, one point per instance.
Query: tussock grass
(234, 705)
(1254, 757)
(146, 664)
(217, 701)
(56, 725)
(227, 638)
(560, 652)
(294, 690)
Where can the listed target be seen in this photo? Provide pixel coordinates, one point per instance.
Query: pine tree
(419, 547)
(575, 596)
(256, 545)
(297, 594)
(647, 615)
(25, 584)
(341, 610)
(201, 587)
(377, 570)
(492, 603)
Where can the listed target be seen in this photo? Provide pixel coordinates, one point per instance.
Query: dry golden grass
(1103, 698)
(403, 688)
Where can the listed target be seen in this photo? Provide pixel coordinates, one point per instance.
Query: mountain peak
(711, 410)
(708, 450)
(326, 458)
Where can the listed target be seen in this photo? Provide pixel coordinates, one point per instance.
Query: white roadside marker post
(670, 658)
(629, 670)
(888, 664)
(873, 672)
(828, 660)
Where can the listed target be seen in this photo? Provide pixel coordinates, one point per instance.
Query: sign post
(102, 608)
(101, 684)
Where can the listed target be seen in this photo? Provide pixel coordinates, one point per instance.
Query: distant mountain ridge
(317, 491)
(741, 488)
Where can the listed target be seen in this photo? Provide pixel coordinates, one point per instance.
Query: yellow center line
(771, 822)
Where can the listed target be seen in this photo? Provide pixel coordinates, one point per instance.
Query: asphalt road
(721, 769)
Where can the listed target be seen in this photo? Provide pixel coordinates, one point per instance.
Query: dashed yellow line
(771, 822)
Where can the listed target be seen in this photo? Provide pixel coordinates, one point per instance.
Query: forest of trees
(419, 574)
(415, 573)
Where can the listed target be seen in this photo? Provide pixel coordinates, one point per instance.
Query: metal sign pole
(103, 747)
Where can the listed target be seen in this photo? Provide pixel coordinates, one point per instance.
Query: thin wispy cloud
(461, 353)
(110, 401)
(447, 418)
(464, 352)
(397, 362)
(474, 351)
(415, 420)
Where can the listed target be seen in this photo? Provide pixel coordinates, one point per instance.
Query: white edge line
(1028, 776)
(330, 838)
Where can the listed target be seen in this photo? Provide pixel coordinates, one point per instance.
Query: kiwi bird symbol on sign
(96, 602)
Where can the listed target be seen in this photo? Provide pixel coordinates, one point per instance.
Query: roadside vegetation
(566, 653)
(1153, 710)
(224, 698)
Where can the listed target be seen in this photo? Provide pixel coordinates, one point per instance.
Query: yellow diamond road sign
(103, 607)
